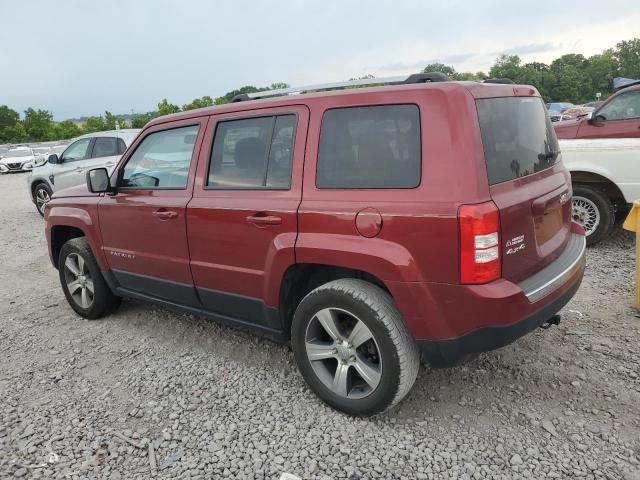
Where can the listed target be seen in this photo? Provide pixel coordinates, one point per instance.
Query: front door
(242, 220)
(144, 224)
(618, 118)
(71, 171)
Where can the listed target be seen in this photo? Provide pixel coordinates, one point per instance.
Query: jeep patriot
(371, 228)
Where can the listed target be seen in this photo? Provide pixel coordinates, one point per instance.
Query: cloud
(532, 48)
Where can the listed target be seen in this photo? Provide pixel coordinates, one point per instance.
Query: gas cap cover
(369, 222)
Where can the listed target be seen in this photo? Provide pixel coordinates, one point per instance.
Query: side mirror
(98, 180)
(53, 159)
(595, 119)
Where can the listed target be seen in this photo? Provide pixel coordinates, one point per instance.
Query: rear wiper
(548, 156)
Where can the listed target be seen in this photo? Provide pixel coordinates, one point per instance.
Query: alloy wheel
(586, 213)
(78, 280)
(343, 353)
(42, 198)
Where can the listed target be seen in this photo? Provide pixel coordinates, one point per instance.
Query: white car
(19, 159)
(605, 175)
(94, 150)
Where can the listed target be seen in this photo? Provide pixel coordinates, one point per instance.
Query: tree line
(570, 78)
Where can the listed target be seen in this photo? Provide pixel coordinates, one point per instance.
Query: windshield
(18, 153)
(517, 136)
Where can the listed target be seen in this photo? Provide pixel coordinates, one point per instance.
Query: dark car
(369, 227)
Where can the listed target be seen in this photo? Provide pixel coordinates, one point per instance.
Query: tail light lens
(479, 243)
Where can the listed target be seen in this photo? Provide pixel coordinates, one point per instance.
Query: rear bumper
(462, 320)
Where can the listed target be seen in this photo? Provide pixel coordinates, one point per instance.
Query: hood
(75, 191)
(567, 128)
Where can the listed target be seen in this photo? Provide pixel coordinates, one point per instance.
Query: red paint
(243, 241)
(585, 128)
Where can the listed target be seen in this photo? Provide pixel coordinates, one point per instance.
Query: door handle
(164, 214)
(262, 220)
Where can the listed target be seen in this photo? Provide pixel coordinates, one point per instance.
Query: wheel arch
(301, 278)
(607, 186)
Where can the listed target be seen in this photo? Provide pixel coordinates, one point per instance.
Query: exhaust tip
(555, 320)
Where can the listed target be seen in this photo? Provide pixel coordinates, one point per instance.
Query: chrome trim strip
(326, 86)
(546, 288)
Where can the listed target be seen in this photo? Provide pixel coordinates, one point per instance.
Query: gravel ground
(151, 393)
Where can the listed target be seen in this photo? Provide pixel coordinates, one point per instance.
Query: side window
(253, 153)
(623, 107)
(121, 146)
(77, 151)
(162, 160)
(105, 147)
(370, 147)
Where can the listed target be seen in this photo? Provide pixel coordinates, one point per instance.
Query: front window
(517, 137)
(162, 160)
(623, 107)
(77, 151)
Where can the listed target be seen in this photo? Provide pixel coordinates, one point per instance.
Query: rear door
(105, 153)
(618, 118)
(143, 225)
(242, 221)
(527, 182)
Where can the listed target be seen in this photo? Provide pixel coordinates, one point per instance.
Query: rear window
(370, 147)
(517, 136)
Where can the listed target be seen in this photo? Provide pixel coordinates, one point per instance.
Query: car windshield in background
(517, 137)
(18, 153)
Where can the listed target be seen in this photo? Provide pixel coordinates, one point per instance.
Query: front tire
(42, 194)
(352, 347)
(82, 281)
(593, 210)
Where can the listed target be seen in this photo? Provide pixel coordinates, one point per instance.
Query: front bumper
(464, 320)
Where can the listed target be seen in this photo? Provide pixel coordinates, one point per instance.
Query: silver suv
(94, 150)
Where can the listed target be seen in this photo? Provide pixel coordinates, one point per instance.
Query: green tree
(64, 130)
(627, 53)
(202, 102)
(601, 69)
(110, 120)
(140, 121)
(38, 124)
(15, 133)
(94, 124)
(442, 68)
(8, 117)
(507, 66)
(166, 108)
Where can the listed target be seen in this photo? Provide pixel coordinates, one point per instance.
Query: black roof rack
(506, 81)
(415, 78)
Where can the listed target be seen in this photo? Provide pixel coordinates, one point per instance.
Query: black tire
(102, 301)
(38, 191)
(605, 211)
(399, 358)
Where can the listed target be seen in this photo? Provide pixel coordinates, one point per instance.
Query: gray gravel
(151, 393)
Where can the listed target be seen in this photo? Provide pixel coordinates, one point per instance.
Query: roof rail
(400, 80)
(506, 81)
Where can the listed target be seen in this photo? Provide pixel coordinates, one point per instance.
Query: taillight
(479, 243)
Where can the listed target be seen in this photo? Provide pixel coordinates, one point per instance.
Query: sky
(79, 58)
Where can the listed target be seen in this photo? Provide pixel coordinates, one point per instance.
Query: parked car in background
(617, 117)
(559, 106)
(369, 227)
(573, 113)
(595, 104)
(68, 169)
(19, 159)
(554, 115)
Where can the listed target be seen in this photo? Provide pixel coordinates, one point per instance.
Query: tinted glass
(370, 147)
(162, 160)
(77, 151)
(622, 107)
(517, 136)
(252, 153)
(121, 146)
(105, 147)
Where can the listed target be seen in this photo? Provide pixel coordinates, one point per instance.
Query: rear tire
(366, 361)
(594, 211)
(82, 281)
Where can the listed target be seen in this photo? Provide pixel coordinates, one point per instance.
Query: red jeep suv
(370, 228)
